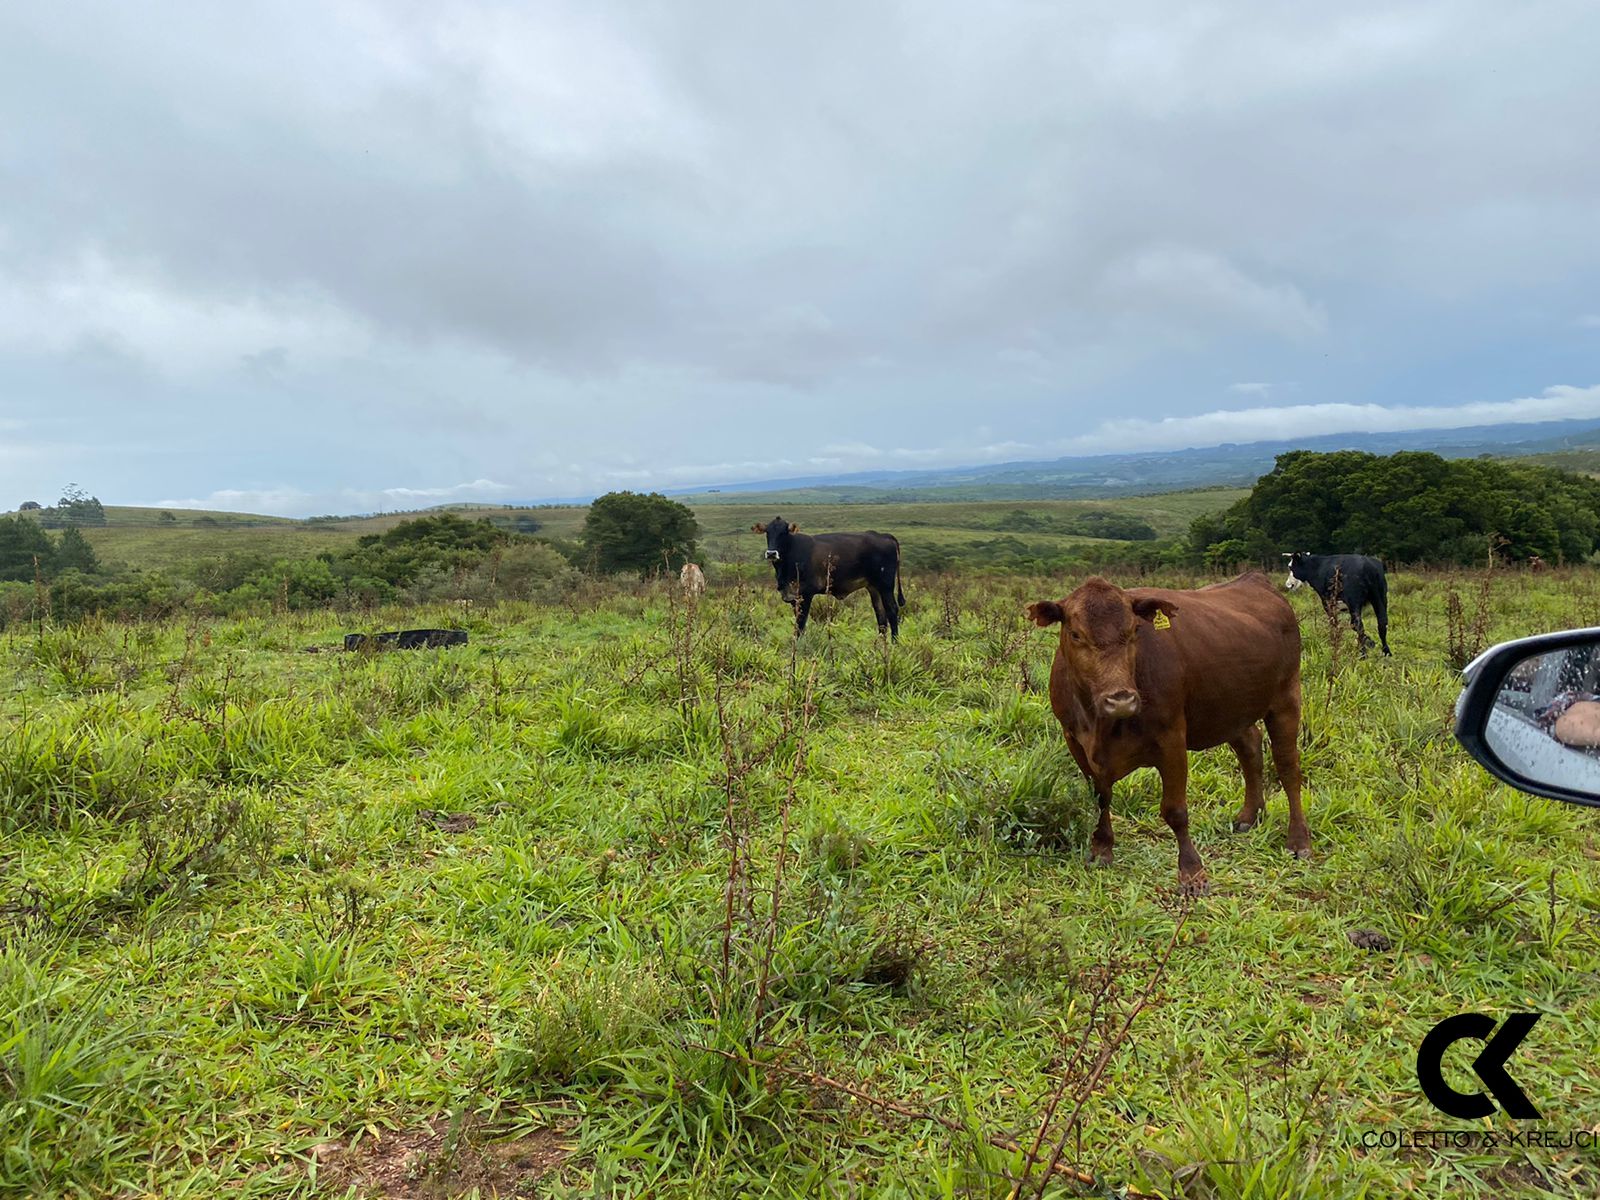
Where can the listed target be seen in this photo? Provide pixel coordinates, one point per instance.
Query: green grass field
(1580, 460)
(616, 902)
(726, 536)
(138, 538)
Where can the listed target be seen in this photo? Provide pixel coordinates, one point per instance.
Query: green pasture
(138, 538)
(623, 899)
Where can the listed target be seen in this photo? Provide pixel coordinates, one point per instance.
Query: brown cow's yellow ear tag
(1161, 620)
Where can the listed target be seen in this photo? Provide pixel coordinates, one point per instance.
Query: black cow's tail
(900, 592)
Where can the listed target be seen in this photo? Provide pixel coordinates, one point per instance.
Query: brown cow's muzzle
(1120, 704)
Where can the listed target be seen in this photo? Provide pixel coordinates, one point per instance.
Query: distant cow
(1535, 563)
(1353, 580)
(407, 639)
(1142, 676)
(836, 564)
(692, 580)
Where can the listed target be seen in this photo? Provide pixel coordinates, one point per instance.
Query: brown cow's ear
(758, 529)
(1147, 607)
(1044, 613)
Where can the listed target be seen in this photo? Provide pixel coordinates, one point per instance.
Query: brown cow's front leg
(1102, 845)
(1175, 812)
(1247, 746)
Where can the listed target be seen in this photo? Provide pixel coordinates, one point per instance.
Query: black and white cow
(836, 564)
(1353, 580)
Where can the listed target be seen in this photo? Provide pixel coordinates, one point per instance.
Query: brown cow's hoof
(1301, 852)
(1241, 825)
(1196, 885)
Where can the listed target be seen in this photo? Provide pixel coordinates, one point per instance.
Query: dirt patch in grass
(422, 1163)
(449, 822)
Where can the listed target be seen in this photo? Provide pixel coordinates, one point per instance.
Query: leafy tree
(75, 508)
(74, 553)
(21, 543)
(167, 518)
(1104, 523)
(29, 506)
(1022, 521)
(443, 542)
(632, 531)
(1407, 507)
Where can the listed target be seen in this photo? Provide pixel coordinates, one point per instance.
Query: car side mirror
(1530, 714)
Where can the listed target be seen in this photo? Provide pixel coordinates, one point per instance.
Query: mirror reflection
(1545, 724)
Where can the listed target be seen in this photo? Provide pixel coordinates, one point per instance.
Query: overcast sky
(340, 256)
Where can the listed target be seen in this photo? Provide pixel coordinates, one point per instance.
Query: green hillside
(139, 538)
(1581, 460)
(953, 526)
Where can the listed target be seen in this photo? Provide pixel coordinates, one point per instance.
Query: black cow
(407, 639)
(1353, 580)
(838, 564)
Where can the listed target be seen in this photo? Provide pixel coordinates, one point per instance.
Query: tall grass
(741, 913)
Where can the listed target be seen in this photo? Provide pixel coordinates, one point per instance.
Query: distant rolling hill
(1106, 475)
(951, 509)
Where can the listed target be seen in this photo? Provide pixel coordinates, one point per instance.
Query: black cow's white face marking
(1293, 581)
(777, 532)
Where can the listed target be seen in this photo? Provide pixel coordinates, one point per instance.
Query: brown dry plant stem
(1086, 1088)
(775, 903)
(912, 1113)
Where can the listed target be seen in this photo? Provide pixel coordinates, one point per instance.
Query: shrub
(580, 1022)
(628, 531)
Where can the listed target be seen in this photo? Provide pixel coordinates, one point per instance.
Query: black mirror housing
(1530, 714)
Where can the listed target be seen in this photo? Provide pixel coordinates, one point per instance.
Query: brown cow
(1144, 675)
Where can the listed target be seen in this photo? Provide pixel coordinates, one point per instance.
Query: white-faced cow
(1142, 676)
(692, 580)
(835, 564)
(1354, 580)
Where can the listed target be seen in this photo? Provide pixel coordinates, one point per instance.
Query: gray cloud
(560, 246)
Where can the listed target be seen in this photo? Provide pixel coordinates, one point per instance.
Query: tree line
(1411, 507)
(76, 509)
(432, 557)
(27, 552)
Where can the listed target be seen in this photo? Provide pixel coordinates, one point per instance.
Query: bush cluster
(436, 557)
(1411, 507)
